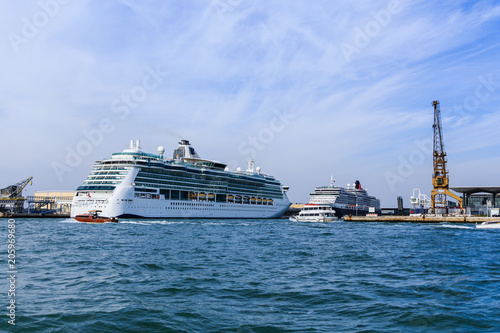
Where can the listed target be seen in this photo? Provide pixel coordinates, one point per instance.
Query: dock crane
(11, 198)
(14, 191)
(440, 180)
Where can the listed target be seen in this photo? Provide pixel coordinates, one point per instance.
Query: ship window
(166, 193)
(179, 152)
(192, 151)
(184, 195)
(145, 190)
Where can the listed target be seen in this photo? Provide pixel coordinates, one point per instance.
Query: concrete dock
(32, 215)
(421, 219)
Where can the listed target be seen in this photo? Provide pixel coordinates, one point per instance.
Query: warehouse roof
(476, 189)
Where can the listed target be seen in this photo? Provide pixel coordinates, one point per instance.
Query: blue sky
(310, 89)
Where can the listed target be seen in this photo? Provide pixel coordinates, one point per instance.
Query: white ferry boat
(315, 213)
(351, 201)
(138, 184)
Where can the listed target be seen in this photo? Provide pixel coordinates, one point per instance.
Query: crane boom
(14, 191)
(440, 180)
(438, 130)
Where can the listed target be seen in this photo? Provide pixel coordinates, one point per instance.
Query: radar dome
(258, 169)
(238, 169)
(161, 150)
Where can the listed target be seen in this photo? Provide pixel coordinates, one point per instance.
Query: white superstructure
(138, 184)
(350, 201)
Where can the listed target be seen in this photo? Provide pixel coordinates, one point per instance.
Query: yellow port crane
(440, 180)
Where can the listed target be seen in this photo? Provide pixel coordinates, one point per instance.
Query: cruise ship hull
(341, 212)
(148, 208)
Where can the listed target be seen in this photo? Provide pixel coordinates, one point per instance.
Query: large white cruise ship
(351, 201)
(138, 184)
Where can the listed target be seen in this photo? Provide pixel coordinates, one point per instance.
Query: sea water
(251, 276)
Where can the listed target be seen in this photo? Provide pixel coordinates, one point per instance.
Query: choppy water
(252, 276)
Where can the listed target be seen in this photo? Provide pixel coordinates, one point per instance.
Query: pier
(421, 219)
(33, 215)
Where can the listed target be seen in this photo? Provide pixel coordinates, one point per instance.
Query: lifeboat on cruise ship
(253, 200)
(259, 201)
(246, 199)
(230, 198)
(211, 196)
(270, 201)
(202, 196)
(93, 217)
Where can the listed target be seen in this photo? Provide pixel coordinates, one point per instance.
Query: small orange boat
(93, 217)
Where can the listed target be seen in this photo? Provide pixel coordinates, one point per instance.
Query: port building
(50, 202)
(484, 200)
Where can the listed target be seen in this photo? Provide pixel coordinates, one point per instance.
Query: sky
(309, 89)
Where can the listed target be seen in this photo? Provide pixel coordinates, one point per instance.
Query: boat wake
(70, 220)
(152, 222)
(455, 226)
(188, 222)
(135, 222)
